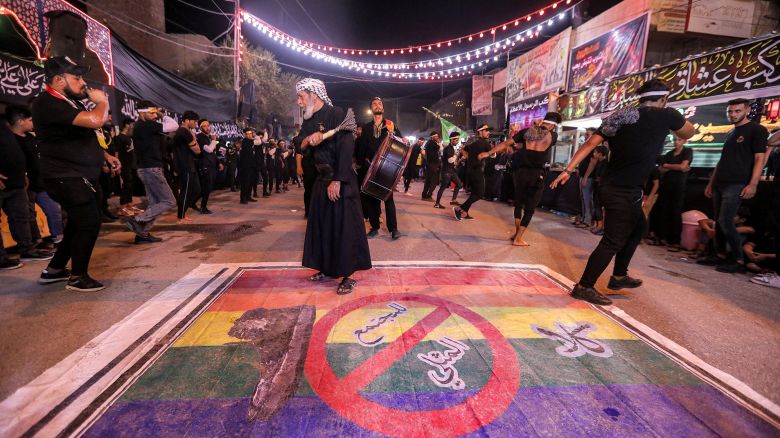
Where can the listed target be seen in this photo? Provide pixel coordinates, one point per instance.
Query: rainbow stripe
(201, 385)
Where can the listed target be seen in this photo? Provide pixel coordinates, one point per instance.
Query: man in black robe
(432, 152)
(247, 166)
(412, 170)
(207, 163)
(335, 244)
(371, 138)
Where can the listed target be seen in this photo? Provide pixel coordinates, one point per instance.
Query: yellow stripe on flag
(212, 328)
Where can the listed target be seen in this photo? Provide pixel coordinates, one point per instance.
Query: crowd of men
(68, 159)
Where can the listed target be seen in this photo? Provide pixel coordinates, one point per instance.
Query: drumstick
(348, 124)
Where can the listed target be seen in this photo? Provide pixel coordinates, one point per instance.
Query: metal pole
(237, 47)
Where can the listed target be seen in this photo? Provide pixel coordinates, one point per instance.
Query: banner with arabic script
(582, 104)
(743, 68)
(19, 82)
(523, 113)
(482, 95)
(539, 70)
(617, 52)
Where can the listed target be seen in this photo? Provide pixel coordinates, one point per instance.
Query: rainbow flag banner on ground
(417, 350)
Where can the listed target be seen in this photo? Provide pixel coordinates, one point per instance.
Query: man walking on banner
(432, 152)
(335, 244)
(373, 133)
(636, 137)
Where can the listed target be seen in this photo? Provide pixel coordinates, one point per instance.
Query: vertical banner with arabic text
(482, 95)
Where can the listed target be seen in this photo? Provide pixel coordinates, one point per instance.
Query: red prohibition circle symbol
(342, 394)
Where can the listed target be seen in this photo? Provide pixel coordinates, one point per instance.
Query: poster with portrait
(539, 70)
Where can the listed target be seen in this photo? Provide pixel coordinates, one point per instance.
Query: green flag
(447, 127)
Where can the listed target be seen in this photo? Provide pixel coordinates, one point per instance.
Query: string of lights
(539, 16)
(451, 66)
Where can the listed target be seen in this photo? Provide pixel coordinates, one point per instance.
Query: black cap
(455, 134)
(190, 115)
(249, 128)
(483, 127)
(434, 133)
(59, 65)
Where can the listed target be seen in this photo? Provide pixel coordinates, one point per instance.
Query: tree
(274, 88)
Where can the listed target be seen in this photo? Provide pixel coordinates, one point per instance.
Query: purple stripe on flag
(610, 410)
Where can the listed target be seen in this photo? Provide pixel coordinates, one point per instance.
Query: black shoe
(232, 189)
(439, 206)
(346, 286)
(458, 213)
(205, 211)
(317, 277)
(148, 238)
(625, 283)
(396, 235)
(590, 295)
(9, 264)
(253, 200)
(35, 255)
(731, 268)
(266, 195)
(468, 217)
(278, 191)
(429, 199)
(49, 277)
(106, 219)
(372, 233)
(454, 203)
(84, 284)
(245, 202)
(710, 261)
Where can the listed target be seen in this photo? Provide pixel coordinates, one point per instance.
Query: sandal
(346, 286)
(317, 277)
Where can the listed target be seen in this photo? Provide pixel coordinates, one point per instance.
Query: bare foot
(184, 220)
(520, 242)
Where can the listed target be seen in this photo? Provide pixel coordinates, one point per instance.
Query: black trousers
(16, 205)
(624, 226)
(669, 205)
(446, 179)
(78, 198)
(128, 179)
(207, 177)
(476, 181)
(529, 185)
(246, 180)
(230, 175)
(374, 207)
(431, 181)
(267, 173)
(189, 191)
(410, 173)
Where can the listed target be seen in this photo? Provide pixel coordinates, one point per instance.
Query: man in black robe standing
(432, 152)
(335, 244)
(371, 138)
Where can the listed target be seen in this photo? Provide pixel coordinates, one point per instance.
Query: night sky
(365, 24)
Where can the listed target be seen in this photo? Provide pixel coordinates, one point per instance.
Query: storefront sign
(732, 18)
(523, 113)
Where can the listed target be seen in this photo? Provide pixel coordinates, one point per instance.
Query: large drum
(387, 168)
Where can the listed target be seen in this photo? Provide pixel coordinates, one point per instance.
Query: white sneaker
(770, 279)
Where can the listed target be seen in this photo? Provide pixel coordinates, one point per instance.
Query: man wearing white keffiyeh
(315, 86)
(335, 244)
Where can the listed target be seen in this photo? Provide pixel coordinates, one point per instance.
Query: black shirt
(636, 138)
(124, 145)
(208, 160)
(475, 148)
(447, 153)
(181, 146)
(147, 136)
(736, 160)
(655, 175)
(676, 178)
(332, 157)
(520, 160)
(432, 154)
(66, 150)
(415, 155)
(367, 145)
(12, 161)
